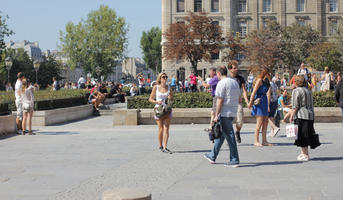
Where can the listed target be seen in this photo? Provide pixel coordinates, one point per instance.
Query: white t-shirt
(229, 90)
(81, 80)
(186, 83)
(303, 72)
(18, 86)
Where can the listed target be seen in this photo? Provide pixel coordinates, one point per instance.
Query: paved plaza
(80, 160)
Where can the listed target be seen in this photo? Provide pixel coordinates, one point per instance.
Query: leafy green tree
(96, 42)
(4, 32)
(49, 68)
(151, 47)
(325, 54)
(296, 42)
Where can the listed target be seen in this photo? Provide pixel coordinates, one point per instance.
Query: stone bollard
(126, 194)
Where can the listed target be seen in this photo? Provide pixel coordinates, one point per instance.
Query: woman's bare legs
(29, 121)
(304, 150)
(25, 115)
(259, 122)
(166, 124)
(160, 131)
(264, 131)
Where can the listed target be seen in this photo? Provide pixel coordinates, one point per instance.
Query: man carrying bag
(228, 96)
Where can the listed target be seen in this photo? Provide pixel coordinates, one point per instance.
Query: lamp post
(36, 65)
(8, 63)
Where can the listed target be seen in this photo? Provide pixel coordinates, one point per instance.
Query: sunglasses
(164, 77)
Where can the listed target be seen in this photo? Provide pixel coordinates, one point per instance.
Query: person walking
(161, 92)
(272, 108)
(326, 78)
(19, 102)
(27, 96)
(228, 96)
(212, 85)
(339, 96)
(303, 116)
(233, 68)
(259, 104)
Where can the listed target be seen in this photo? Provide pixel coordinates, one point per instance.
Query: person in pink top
(193, 82)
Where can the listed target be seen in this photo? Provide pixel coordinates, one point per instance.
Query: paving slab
(81, 160)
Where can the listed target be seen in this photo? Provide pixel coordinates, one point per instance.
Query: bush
(204, 100)
(46, 99)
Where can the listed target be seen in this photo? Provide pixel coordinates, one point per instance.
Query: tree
(4, 32)
(96, 42)
(233, 46)
(338, 38)
(325, 54)
(151, 47)
(262, 49)
(197, 39)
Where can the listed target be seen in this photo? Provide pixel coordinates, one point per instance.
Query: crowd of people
(269, 103)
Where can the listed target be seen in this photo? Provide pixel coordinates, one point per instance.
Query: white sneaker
(275, 132)
(229, 165)
(303, 157)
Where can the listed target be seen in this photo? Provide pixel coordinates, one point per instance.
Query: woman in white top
(326, 80)
(161, 92)
(28, 103)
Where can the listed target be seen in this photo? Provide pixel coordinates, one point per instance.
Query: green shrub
(204, 100)
(4, 109)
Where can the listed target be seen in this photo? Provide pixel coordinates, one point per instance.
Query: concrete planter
(202, 116)
(7, 124)
(61, 115)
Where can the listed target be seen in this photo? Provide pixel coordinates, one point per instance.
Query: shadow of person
(326, 158)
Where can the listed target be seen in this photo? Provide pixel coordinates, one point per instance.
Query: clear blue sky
(41, 20)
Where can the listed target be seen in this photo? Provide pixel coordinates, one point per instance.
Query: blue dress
(262, 108)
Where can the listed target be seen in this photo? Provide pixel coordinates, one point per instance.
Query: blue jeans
(229, 135)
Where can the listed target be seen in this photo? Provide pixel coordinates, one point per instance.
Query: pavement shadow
(58, 133)
(198, 151)
(73, 121)
(3, 137)
(326, 158)
(269, 163)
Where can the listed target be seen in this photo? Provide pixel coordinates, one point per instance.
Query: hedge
(204, 100)
(46, 99)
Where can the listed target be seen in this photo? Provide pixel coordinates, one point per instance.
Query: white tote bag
(292, 131)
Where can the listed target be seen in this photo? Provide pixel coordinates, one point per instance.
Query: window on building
(197, 5)
(215, 5)
(267, 5)
(215, 23)
(180, 22)
(333, 27)
(301, 22)
(180, 6)
(243, 28)
(333, 5)
(300, 5)
(242, 6)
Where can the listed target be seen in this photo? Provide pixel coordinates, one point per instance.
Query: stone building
(31, 48)
(133, 66)
(244, 16)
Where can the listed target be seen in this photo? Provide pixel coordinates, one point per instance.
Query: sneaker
(230, 165)
(238, 137)
(20, 132)
(275, 132)
(209, 159)
(303, 157)
(167, 151)
(161, 149)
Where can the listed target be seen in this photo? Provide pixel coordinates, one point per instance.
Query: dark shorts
(272, 108)
(214, 104)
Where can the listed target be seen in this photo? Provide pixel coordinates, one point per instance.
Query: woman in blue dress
(259, 106)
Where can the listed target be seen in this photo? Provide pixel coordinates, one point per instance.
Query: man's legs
(19, 117)
(229, 135)
(216, 148)
(239, 122)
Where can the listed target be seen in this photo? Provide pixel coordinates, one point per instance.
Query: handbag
(292, 131)
(163, 109)
(257, 101)
(216, 131)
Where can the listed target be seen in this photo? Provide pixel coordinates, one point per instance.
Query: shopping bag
(292, 131)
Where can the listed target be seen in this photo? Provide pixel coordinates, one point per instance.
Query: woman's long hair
(25, 85)
(264, 74)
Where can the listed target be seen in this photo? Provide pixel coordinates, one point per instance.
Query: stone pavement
(80, 160)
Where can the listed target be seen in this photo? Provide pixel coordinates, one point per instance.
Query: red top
(193, 79)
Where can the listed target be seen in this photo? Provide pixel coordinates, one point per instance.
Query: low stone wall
(60, 115)
(7, 124)
(202, 116)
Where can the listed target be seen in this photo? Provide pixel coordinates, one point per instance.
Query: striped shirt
(302, 101)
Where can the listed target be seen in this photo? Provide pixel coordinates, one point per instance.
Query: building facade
(133, 66)
(244, 16)
(31, 48)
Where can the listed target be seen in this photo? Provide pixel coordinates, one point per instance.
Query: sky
(41, 20)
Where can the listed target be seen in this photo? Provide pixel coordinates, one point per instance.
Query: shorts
(170, 115)
(272, 108)
(19, 106)
(214, 104)
(28, 109)
(240, 116)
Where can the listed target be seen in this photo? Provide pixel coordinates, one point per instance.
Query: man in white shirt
(228, 96)
(81, 83)
(18, 102)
